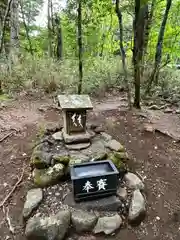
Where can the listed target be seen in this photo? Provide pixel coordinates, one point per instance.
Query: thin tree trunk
(26, 29)
(80, 46)
(4, 25)
(136, 57)
(139, 25)
(148, 26)
(14, 31)
(123, 55)
(59, 49)
(50, 49)
(52, 22)
(102, 44)
(158, 56)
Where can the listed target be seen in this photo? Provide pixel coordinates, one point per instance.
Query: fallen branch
(11, 228)
(6, 136)
(13, 189)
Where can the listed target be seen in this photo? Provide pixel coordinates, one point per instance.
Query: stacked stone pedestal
(77, 141)
(53, 210)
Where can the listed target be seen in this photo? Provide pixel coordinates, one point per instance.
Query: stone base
(76, 138)
(78, 146)
(103, 204)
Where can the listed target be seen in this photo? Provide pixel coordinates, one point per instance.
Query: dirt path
(155, 157)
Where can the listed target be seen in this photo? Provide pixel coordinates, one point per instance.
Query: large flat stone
(137, 208)
(75, 101)
(115, 146)
(133, 181)
(106, 137)
(122, 193)
(53, 227)
(108, 225)
(83, 221)
(111, 203)
(76, 138)
(58, 136)
(33, 198)
(96, 150)
(78, 146)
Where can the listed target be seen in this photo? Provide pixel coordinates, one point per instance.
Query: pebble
(57, 194)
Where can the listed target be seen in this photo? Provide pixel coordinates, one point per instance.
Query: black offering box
(93, 180)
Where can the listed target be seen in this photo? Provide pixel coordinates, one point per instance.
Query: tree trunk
(80, 46)
(139, 24)
(14, 31)
(155, 73)
(123, 55)
(59, 49)
(148, 25)
(4, 25)
(102, 44)
(50, 49)
(26, 29)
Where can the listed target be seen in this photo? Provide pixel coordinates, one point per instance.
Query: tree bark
(50, 49)
(59, 48)
(4, 25)
(123, 55)
(14, 31)
(148, 25)
(80, 46)
(136, 56)
(158, 55)
(26, 29)
(139, 24)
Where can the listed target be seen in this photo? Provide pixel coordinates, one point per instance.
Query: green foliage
(49, 75)
(31, 9)
(4, 97)
(102, 69)
(41, 131)
(172, 32)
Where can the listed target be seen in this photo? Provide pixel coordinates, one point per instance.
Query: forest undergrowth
(100, 75)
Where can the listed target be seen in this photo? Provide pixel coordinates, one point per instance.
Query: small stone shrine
(50, 209)
(74, 111)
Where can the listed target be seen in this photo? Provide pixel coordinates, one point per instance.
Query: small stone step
(78, 146)
(76, 138)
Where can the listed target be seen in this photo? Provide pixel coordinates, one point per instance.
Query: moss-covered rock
(116, 160)
(100, 156)
(49, 176)
(40, 159)
(64, 159)
(123, 156)
(76, 159)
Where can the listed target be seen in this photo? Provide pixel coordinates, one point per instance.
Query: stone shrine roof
(75, 102)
